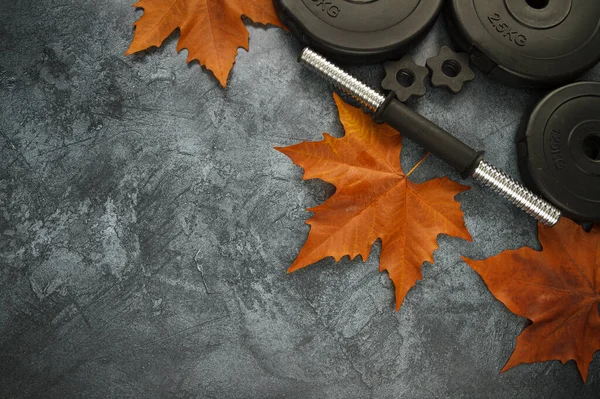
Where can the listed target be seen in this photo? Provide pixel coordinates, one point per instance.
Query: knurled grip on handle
(516, 193)
(367, 96)
(433, 138)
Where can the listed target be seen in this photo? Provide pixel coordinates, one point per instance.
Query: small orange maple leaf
(374, 199)
(558, 289)
(211, 30)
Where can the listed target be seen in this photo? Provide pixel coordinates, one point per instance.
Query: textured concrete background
(146, 226)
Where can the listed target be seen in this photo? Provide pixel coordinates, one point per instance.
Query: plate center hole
(538, 4)
(405, 77)
(451, 68)
(591, 147)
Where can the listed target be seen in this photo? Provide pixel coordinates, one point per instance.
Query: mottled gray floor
(146, 226)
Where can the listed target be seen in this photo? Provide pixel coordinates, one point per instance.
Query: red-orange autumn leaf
(374, 199)
(558, 289)
(210, 30)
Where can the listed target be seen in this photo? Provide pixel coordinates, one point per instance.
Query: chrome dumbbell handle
(368, 97)
(433, 138)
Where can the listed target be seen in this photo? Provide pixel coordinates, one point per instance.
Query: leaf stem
(418, 164)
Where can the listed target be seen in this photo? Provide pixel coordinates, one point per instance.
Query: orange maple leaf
(211, 30)
(558, 289)
(374, 199)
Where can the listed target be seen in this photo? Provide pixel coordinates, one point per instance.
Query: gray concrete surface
(146, 226)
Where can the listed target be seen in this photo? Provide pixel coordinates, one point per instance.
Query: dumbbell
(523, 43)
(466, 160)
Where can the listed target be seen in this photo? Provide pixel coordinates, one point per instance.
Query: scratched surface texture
(146, 225)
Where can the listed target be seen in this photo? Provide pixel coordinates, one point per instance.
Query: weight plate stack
(559, 151)
(528, 43)
(359, 31)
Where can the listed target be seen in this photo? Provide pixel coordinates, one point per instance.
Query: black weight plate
(528, 43)
(559, 153)
(359, 31)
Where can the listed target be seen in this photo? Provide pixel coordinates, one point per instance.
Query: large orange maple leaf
(558, 289)
(210, 30)
(374, 199)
